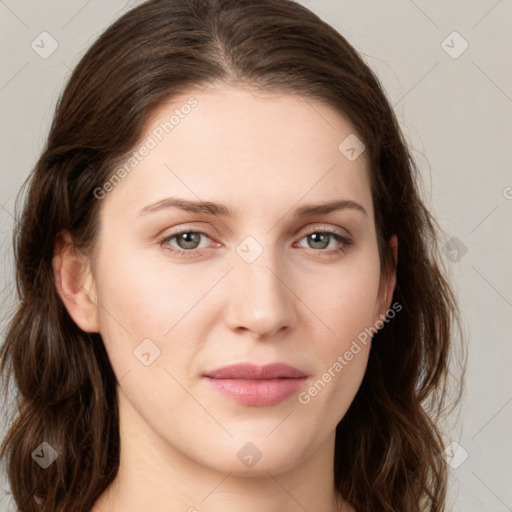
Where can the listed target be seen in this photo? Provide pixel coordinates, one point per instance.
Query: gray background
(456, 113)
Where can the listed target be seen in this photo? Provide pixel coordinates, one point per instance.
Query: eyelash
(345, 243)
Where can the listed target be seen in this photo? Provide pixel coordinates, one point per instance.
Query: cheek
(344, 304)
(344, 300)
(147, 294)
(347, 308)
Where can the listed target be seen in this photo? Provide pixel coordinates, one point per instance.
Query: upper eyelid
(316, 226)
(313, 229)
(187, 230)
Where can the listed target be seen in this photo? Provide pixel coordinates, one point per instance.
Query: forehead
(247, 148)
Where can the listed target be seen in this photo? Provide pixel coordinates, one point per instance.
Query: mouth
(257, 386)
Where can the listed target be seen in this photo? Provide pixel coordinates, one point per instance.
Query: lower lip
(258, 393)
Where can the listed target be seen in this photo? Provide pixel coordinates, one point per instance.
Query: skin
(263, 156)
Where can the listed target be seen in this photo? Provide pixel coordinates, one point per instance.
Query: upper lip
(256, 372)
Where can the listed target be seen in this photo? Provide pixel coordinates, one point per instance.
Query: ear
(388, 281)
(75, 283)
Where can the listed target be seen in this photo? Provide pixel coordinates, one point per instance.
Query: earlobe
(75, 283)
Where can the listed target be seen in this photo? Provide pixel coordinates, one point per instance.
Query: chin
(256, 455)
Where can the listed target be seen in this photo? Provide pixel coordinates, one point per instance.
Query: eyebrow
(220, 210)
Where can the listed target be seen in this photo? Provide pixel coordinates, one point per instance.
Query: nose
(260, 299)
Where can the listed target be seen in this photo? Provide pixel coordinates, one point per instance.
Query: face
(256, 275)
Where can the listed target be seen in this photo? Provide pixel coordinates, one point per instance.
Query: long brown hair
(388, 453)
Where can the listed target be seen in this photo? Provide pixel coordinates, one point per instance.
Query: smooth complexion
(197, 298)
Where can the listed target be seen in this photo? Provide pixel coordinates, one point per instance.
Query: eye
(186, 241)
(189, 243)
(320, 240)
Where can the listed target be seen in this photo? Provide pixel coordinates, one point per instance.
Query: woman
(229, 286)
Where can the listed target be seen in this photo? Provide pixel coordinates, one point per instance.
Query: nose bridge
(259, 298)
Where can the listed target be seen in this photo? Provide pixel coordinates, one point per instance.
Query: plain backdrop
(446, 68)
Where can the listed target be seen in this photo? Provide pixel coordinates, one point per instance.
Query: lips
(254, 385)
(255, 372)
